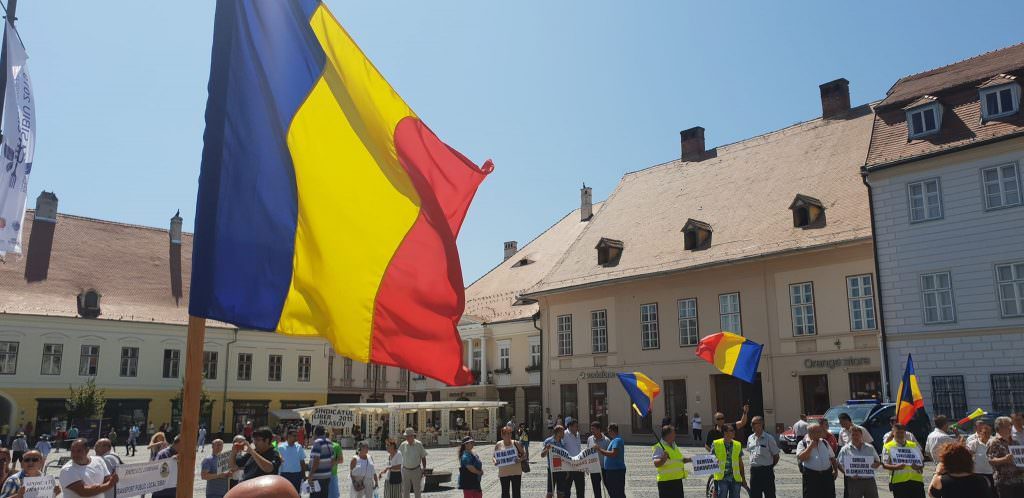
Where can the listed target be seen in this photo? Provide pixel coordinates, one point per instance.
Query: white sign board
(39, 487)
(506, 457)
(586, 461)
(1018, 455)
(333, 418)
(223, 462)
(905, 456)
(144, 478)
(705, 465)
(859, 466)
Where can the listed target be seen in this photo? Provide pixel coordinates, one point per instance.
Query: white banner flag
(39, 487)
(333, 418)
(586, 461)
(705, 464)
(18, 147)
(144, 478)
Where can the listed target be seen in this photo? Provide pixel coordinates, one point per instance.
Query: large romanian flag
(731, 354)
(326, 207)
(908, 398)
(642, 391)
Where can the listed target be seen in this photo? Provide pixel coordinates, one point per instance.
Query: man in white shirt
(764, 455)
(892, 430)
(571, 443)
(800, 427)
(938, 438)
(85, 475)
(844, 434)
(819, 463)
(1017, 431)
(858, 483)
(104, 449)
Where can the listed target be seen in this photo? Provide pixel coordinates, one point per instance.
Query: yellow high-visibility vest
(718, 447)
(674, 468)
(908, 473)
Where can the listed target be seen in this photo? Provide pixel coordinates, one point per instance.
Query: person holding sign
(818, 462)
(614, 464)
(31, 467)
(903, 458)
(669, 462)
(955, 475)
(556, 480)
(729, 452)
(1009, 477)
(510, 472)
(85, 475)
(857, 461)
(216, 476)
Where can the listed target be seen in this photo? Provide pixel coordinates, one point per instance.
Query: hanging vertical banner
(18, 147)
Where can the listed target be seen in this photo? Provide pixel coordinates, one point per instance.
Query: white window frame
(244, 366)
(563, 334)
(730, 316)
(275, 365)
(535, 351)
(860, 297)
(9, 357)
(689, 325)
(925, 196)
(53, 357)
(933, 289)
(599, 331)
(172, 364)
(89, 360)
(1010, 287)
(210, 363)
(1002, 183)
(936, 110)
(129, 361)
(1014, 97)
(650, 336)
(305, 367)
(504, 355)
(801, 306)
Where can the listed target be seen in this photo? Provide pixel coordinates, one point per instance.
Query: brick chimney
(586, 203)
(40, 241)
(692, 142)
(510, 248)
(835, 98)
(175, 256)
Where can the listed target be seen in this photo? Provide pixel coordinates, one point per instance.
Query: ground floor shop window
(640, 425)
(675, 404)
(598, 403)
(243, 411)
(866, 385)
(535, 422)
(949, 396)
(1008, 392)
(507, 412)
(123, 413)
(51, 416)
(569, 402)
(814, 392)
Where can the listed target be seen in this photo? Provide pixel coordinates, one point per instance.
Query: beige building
(356, 382)
(768, 237)
(501, 340)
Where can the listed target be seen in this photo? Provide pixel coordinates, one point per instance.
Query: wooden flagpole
(190, 406)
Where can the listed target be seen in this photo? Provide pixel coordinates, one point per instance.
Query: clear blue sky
(556, 92)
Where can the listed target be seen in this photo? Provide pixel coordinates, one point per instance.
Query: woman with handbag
(393, 484)
(511, 476)
(364, 476)
(470, 470)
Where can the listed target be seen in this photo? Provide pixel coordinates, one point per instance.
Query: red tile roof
(975, 69)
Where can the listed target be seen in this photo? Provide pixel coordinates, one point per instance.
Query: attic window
(999, 100)
(609, 251)
(696, 235)
(924, 117)
(522, 262)
(808, 212)
(89, 304)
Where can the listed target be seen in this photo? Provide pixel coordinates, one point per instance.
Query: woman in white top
(392, 475)
(978, 444)
(697, 427)
(364, 476)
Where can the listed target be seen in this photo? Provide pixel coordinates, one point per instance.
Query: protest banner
(144, 478)
(586, 461)
(905, 456)
(39, 487)
(223, 462)
(705, 465)
(332, 418)
(506, 457)
(1018, 455)
(859, 466)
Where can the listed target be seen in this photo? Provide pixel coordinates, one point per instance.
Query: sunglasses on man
(31, 460)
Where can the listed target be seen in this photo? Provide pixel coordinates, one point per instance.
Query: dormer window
(999, 96)
(924, 117)
(89, 304)
(808, 212)
(696, 235)
(609, 251)
(522, 262)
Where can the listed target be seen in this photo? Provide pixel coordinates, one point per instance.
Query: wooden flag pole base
(190, 406)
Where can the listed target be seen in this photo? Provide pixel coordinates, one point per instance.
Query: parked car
(874, 416)
(788, 440)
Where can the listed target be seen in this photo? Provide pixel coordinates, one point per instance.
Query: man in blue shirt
(614, 463)
(293, 460)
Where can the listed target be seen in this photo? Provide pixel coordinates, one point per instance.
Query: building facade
(768, 237)
(356, 382)
(944, 168)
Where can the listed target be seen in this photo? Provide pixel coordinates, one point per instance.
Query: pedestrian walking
(524, 438)
(954, 476)
(905, 481)
(511, 476)
(321, 460)
(470, 470)
(362, 472)
(31, 466)
(800, 427)
(597, 440)
(85, 475)
(764, 456)
(556, 480)
(858, 486)
(572, 444)
(697, 426)
(257, 458)
(392, 471)
(613, 464)
(414, 461)
(1008, 477)
(335, 488)
(216, 481)
(293, 460)
(938, 438)
(43, 446)
(18, 448)
(201, 443)
(133, 438)
(730, 476)
(818, 464)
(977, 444)
(670, 464)
(112, 436)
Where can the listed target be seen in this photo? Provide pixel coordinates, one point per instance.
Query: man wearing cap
(572, 444)
(414, 460)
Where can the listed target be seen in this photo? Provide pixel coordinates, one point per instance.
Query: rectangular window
(347, 369)
(244, 366)
(948, 395)
(534, 351)
(925, 200)
(172, 360)
(129, 362)
(1002, 186)
(688, 334)
(801, 302)
(89, 360)
(860, 296)
(305, 366)
(8, 358)
(569, 401)
(923, 121)
(505, 355)
(209, 365)
(563, 333)
(999, 101)
(729, 312)
(937, 294)
(1008, 392)
(275, 363)
(599, 331)
(1010, 279)
(52, 356)
(649, 338)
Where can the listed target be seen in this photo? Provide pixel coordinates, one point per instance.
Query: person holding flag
(908, 398)
(730, 476)
(670, 464)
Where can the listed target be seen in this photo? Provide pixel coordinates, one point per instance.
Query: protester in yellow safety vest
(669, 462)
(730, 476)
(907, 481)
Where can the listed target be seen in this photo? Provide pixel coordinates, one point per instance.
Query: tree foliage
(85, 401)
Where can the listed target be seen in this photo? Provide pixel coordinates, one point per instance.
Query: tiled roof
(129, 265)
(975, 69)
(743, 193)
(491, 297)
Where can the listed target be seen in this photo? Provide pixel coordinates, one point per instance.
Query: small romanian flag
(326, 207)
(976, 414)
(732, 354)
(642, 391)
(908, 398)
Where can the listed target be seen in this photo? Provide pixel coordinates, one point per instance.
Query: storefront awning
(285, 414)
